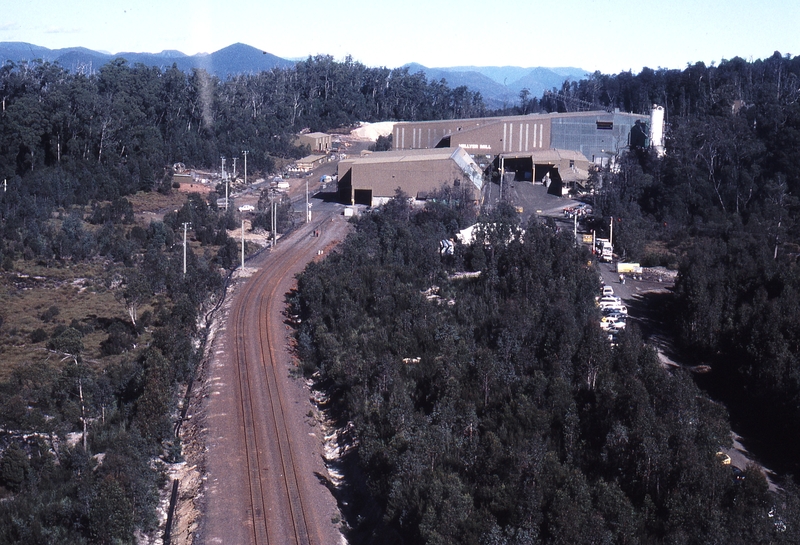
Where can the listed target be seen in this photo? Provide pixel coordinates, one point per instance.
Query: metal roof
(400, 156)
(530, 117)
(547, 155)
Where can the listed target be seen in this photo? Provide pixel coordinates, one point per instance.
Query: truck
(604, 249)
(629, 268)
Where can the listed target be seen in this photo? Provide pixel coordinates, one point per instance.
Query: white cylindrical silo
(657, 129)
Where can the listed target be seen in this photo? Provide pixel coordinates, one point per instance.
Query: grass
(155, 203)
(77, 290)
(79, 293)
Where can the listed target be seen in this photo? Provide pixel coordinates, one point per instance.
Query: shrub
(119, 340)
(50, 313)
(38, 335)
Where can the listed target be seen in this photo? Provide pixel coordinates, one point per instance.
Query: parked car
(606, 302)
(611, 308)
(607, 324)
(608, 291)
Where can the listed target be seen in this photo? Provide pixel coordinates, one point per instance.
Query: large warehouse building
(555, 149)
(598, 135)
(373, 178)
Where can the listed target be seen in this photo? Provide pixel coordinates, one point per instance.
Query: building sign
(476, 146)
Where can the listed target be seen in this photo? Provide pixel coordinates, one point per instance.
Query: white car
(618, 324)
(608, 291)
(605, 302)
(612, 309)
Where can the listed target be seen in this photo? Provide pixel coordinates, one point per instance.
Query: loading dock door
(521, 166)
(363, 196)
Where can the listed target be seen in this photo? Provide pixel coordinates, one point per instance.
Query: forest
(101, 332)
(501, 417)
(484, 410)
(493, 409)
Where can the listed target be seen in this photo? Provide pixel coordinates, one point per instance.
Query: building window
(605, 125)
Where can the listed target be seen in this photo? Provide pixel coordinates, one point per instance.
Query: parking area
(532, 198)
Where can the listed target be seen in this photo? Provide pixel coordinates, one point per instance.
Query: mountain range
(232, 60)
(499, 85)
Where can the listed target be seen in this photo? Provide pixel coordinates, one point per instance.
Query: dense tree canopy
(723, 202)
(126, 123)
(493, 410)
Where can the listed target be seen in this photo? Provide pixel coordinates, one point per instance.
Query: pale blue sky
(606, 35)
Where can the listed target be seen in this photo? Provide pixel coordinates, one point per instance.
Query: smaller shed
(308, 163)
(319, 142)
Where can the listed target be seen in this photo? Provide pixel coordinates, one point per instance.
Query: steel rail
(260, 294)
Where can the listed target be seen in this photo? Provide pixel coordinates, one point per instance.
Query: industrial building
(319, 142)
(598, 135)
(556, 149)
(558, 169)
(307, 163)
(373, 178)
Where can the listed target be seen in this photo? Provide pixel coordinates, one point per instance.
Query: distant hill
(500, 85)
(234, 59)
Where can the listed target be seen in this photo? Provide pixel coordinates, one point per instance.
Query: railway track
(278, 506)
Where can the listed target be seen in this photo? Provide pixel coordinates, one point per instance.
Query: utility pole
(274, 223)
(611, 232)
(502, 172)
(245, 166)
(575, 228)
(242, 244)
(234, 168)
(225, 181)
(308, 209)
(185, 227)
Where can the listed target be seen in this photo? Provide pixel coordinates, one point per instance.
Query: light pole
(245, 166)
(242, 244)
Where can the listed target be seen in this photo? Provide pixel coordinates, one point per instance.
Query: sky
(606, 35)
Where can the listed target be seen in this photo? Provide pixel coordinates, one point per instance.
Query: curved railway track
(278, 505)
